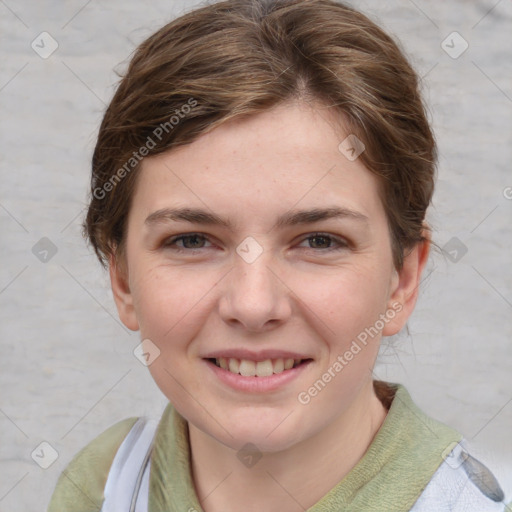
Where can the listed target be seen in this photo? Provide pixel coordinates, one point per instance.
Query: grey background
(67, 367)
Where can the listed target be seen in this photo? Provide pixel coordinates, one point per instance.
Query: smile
(256, 375)
(248, 368)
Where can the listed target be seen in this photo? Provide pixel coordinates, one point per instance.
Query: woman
(259, 190)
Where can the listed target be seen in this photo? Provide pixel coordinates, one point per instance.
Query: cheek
(168, 300)
(172, 307)
(346, 302)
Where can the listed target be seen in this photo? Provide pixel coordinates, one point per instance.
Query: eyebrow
(291, 218)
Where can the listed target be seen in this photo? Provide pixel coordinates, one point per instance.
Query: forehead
(283, 157)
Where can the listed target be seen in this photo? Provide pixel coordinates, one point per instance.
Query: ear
(122, 294)
(405, 286)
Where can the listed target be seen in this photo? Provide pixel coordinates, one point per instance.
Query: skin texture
(309, 295)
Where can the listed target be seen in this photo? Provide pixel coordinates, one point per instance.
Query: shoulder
(430, 462)
(80, 486)
(462, 484)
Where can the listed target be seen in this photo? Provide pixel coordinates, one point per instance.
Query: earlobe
(405, 286)
(122, 294)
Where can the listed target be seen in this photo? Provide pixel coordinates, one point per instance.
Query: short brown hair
(241, 57)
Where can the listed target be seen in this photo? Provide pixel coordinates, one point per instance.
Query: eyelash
(342, 244)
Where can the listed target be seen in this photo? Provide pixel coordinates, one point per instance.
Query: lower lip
(257, 384)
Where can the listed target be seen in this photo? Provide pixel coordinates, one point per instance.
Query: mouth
(265, 368)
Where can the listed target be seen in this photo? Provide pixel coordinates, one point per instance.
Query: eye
(188, 241)
(326, 242)
(317, 241)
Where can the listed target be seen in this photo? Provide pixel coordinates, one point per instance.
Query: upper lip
(261, 355)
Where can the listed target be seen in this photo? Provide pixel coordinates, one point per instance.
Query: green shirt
(395, 469)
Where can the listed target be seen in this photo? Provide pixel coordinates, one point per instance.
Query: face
(256, 247)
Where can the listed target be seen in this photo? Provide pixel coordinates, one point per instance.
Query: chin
(268, 433)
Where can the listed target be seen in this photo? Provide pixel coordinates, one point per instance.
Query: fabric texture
(391, 476)
(81, 485)
(127, 486)
(456, 487)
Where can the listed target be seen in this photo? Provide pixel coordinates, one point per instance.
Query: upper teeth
(248, 368)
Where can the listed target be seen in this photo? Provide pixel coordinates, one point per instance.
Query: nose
(254, 297)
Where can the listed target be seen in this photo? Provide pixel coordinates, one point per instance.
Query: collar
(399, 463)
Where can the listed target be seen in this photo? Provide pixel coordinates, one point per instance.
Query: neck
(292, 479)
